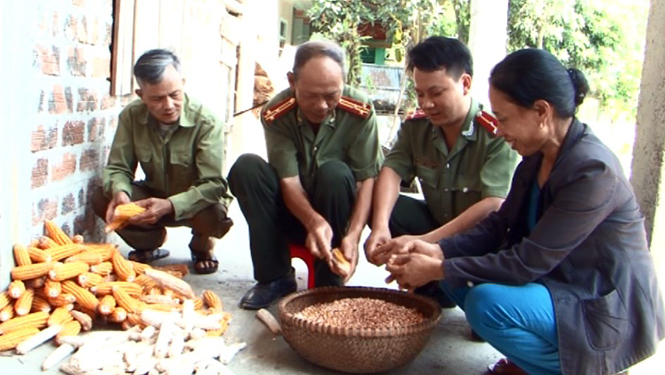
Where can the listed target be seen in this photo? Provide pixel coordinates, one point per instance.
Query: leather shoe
(263, 295)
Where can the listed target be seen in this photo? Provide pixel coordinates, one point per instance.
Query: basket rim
(290, 318)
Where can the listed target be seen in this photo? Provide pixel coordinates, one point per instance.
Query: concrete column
(648, 153)
(487, 42)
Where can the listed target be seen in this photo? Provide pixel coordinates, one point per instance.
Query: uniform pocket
(181, 173)
(427, 176)
(147, 162)
(605, 319)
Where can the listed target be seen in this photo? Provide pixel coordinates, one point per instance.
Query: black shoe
(263, 295)
(433, 291)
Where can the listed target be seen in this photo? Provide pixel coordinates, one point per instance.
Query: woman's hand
(376, 240)
(414, 269)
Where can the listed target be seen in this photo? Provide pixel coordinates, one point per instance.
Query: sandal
(505, 367)
(200, 262)
(147, 256)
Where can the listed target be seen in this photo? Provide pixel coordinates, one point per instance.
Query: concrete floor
(450, 350)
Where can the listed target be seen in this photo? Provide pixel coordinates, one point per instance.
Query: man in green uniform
(179, 145)
(449, 145)
(316, 188)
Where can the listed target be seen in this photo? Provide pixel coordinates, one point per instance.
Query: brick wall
(75, 116)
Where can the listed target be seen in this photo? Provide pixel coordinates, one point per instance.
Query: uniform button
(470, 284)
(465, 189)
(448, 166)
(446, 190)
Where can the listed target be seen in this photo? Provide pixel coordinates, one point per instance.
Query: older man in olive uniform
(449, 145)
(316, 189)
(179, 145)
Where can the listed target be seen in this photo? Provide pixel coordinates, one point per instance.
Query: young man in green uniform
(316, 188)
(179, 145)
(449, 145)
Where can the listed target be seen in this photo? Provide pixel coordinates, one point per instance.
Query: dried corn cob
(56, 233)
(122, 267)
(21, 255)
(118, 315)
(59, 317)
(139, 267)
(12, 339)
(107, 288)
(37, 255)
(52, 288)
(64, 271)
(106, 305)
(87, 257)
(35, 283)
(165, 280)
(106, 250)
(89, 279)
(71, 328)
(122, 214)
(4, 300)
(63, 251)
(83, 296)
(36, 319)
(46, 243)
(127, 302)
(198, 303)
(40, 304)
(30, 271)
(135, 320)
(83, 318)
(64, 299)
(175, 269)
(145, 282)
(16, 289)
(103, 268)
(6, 313)
(212, 300)
(23, 304)
(77, 239)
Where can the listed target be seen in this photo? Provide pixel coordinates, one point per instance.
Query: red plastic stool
(300, 251)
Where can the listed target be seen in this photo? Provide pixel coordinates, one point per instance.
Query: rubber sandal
(505, 367)
(147, 256)
(204, 257)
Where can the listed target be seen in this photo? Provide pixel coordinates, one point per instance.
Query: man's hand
(348, 247)
(119, 198)
(393, 247)
(414, 269)
(155, 209)
(375, 241)
(319, 239)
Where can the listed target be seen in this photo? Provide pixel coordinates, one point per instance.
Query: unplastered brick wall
(76, 117)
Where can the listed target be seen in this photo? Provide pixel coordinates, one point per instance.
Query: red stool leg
(299, 251)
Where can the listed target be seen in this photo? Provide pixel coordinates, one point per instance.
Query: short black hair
(438, 53)
(533, 74)
(149, 68)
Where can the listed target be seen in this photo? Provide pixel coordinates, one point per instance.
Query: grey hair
(318, 48)
(149, 68)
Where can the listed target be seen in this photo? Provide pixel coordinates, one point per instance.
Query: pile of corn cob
(63, 285)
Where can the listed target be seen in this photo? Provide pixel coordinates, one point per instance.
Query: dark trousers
(209, 222)
(411, 216)
(272, 226)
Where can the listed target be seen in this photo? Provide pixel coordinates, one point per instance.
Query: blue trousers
(518, 321)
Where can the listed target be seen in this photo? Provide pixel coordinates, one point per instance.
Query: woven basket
(356, 350)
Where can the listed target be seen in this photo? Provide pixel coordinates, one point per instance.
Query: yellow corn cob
(64, 299)
(40, 304)
(106, 250)
(34, 243)
(89, 279)
(161, 307)
(11, 339)
(155, 291)
(122, 267)
(198, 303)
(145, 282)
(64, 251)
(168, 293)
(6, 313)
(124, 300)
(21, 255)
(46, 243)
(106, 305)
(122, 214)
(36, 319)
(4, 300)
(135, 320)
(37, 255)
(30, 271)
(64, 271)
(35, 283)
(139, 267)
(24, 303)
(176, 269)
(56, 233)
(118, 315)
(107, 288)
(52, 288)
(71, 328)
(83, 296)
(59, 317)
(16, 289)
(212, 300)
(77, 239)
(103, 268)
(87, 257)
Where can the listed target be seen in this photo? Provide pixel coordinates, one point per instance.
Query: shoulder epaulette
(417, 114)
(487, 121)
(279, 110)
(354, 106)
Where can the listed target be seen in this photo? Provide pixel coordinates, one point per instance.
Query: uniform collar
(186, 119)
(329, 120)
(469, 131)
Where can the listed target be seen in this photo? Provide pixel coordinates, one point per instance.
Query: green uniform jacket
(349, 135)
(185, 166)
(478, 166)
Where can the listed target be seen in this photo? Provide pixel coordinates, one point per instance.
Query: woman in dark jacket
(560, 279)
